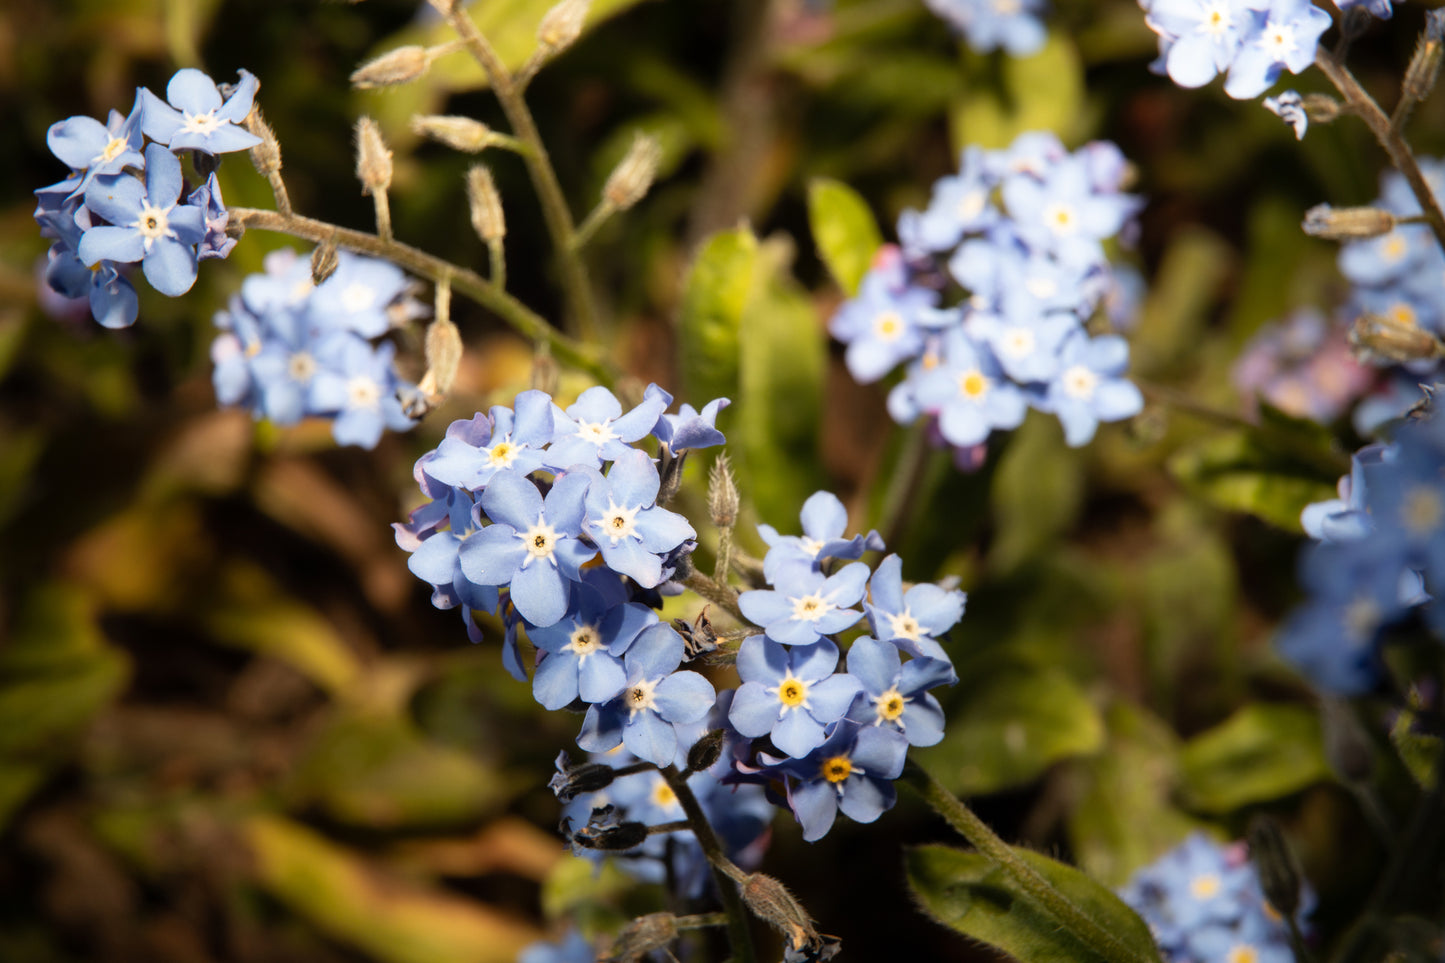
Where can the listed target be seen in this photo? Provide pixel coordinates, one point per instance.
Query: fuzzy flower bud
(629, 181)
(399, 66)
(486, 205)
(562, 25)
(458, 133)
(571, 781)
(642, 936)
(1321, 108)
(771, 902)
(1393, 339)
(722, 493)
(1424, 66)
(1347, 223)
(324, 260)
(706, 750)
(373, 160)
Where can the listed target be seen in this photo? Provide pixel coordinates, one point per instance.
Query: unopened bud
(1322, 108)
(562, 25)
(670, 471)
(1279, 877)
(771, 902)
(1394, 338)
(373, 160)
(443, 358)
(642, 936)
(266, 156)
(1347, 223)
(546, 372)
(722, 493)
(1424, 66)
(486, 205)
(399, 66)
(706, 750)
(324, 260)
(629, 181)
(571, 781)
(616, 838)
(458, 133)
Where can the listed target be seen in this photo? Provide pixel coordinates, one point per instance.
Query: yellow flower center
(1204, 887)
(973, 385)
(793, 692)
(837, 769)
(888, 326)
(1422, 511)
(889, 705)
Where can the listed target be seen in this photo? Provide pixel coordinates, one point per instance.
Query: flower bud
(1393, 338)
(706, 750)
(1321, 108)
(1424, 66)
(1347, 223)
(722, 493)
(488, 219)
(266, 156)
(615, 838)
(324, 260)
(571, 781)
(443, 357)
(642, 936)
(373, 160)
(562, 25)
(770, 901)
(458, 133)
(1279, 877)
(629, 181)
(399, 66)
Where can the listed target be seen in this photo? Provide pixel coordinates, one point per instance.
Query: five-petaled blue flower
(792, 696)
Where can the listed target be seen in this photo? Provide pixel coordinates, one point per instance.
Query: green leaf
(1421, 753)
(1177, 310)
(1260, 753)
(388, 919)
(711, 321)
(1240, 471)
(968, 893)
(1124, 820)
(844, 230)
(1016, 721)
(1037, 493)
(1042, 92)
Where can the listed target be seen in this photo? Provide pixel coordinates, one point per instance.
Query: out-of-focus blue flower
(792, 696)
(969, 392)
(852, 771)
(1303, 366)
(1199, 38)
(357, 295)
(1346, 518)
(962, 204)
(1012, 25)
(895, 693)
(1062, 213)
(881, 327)
(198, 117)
(1090, 386)
(805, 604)
(572, 948)
(657, 699)
(147, 223)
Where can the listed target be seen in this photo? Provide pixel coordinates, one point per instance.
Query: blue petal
(875, 664)
(656, 652)
(829, 700)
(435, 560)
(760, 659)
(754, 712)
(163, 176)
(824, 516)
(120, 244)
(684, 697)
(798, 733)
(192, 91)
(540, 593)
(513, 500)
(880, 752)
(555, 684)
(602, 727)
(600, 678)
(628, 556)
(816, 806)
(648, 737)
(491, 556)
(814, 662)
(170, 267)
(864, 800)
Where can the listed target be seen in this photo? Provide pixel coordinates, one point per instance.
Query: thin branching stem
(725, 873)
(558, 217)
(516, 314)
(1359, 102)
(987, 842)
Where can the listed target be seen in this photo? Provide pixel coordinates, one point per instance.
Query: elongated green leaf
(844, 230)
(388, 919)
(711, 322)
(1017, 720)
(1262, 752)
(966, 892)
(1237, 471)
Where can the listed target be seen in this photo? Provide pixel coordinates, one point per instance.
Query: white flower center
(153, 223)
(541, 541)
(1242, 953)
(301, 367)
(110, 152)
(203, 124)
(971, 206)
(1216, 20)
(1079, 382)
(363, 392)
(585, 640)
(1279, 41)
(905, 626)
(1041, 287)
(639, 698)
(1018, 343)
(810, 545)
(358, 297)
(811, 608)
(1061, 219)
(1422, 510)
(889, 707)
(597, 434)
(502, 454)
(617, 522)
(300, 291)
(1204, 886)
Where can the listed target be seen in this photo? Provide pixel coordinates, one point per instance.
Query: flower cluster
(1253, 40)
(291, 349)
(1203, 901)
(520, 505)
(1303, 366)
(1022, 231)
(1382, 546)
(1013, 25)
(127, 201)
(834, 740)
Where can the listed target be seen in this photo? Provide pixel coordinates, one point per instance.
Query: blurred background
(232, 726)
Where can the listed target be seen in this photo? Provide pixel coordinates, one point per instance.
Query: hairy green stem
(558, 217)
(1359, 102)
(987, 842)
(726, 875)
(522, 318)
(718, 593)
